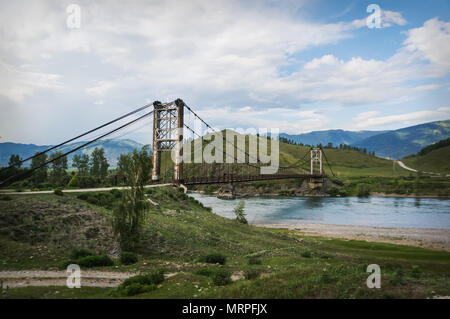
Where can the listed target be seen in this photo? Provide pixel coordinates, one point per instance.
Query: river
(367, 211)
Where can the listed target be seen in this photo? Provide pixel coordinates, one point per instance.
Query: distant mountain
(409, 140)
(113, 148)
(334, 136)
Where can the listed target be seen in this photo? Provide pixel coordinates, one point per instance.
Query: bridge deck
(237, 179)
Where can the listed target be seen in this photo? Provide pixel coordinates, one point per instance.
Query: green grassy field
(435, 161)
(180, 232)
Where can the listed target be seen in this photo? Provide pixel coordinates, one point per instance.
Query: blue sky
(294, 65)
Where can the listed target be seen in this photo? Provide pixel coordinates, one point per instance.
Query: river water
(370, 211)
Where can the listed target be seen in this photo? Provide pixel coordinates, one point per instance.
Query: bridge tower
(316, 157)
(168, 136)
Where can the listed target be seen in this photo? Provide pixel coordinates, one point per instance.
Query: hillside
(113, 148)
(436, 161)
(402, 142)
(334, 136)
(265, 263)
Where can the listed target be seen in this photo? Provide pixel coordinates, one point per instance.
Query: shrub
(363, 190)
(81, 252)
(215, 259)
(251, 274)
(74, 181)
(153, 278)
(415, 272)
(83, 196)
(397, 278)
(205, 272)
(94, 261)
(137, 288)
(116, 193)
(221, 277)
(254, 261)
(58, 192)
(5, 197)
(240, 213)
(128, 258)
(306, 254)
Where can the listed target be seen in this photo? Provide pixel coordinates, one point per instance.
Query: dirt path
(402, 165)
(420, 237)
(89, 278)
(81, 190)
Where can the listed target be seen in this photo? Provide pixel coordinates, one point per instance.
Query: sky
(296, 65)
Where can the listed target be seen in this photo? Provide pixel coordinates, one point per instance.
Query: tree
(15, 159)
(59, 167)
(81, 162)
(123, 164)
(40, 175)
(99, 163)
(129, 216)
(240, 213)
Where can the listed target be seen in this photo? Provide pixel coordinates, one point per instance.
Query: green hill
(435, 161)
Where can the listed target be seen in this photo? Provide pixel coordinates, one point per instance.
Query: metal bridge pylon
(316, 157)
(168, 135)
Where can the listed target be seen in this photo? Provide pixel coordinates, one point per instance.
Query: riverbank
(433, 238)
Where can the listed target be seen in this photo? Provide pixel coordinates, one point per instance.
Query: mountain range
(391, 144)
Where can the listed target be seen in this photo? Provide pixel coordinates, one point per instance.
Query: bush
(128, 258)
(415, 272)
(74, 181)
(251, 274)
(306, 254)
(221, 277)
(5, 197)
(58, 192)
(116, 193)
(208, 272)
(215, 259)
(94, 261)
(137, 288)
(363, 190)
(240, 213)
(254, 261)
(81, 252)
(153, 278)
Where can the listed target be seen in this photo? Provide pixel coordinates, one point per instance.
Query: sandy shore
(421, 237)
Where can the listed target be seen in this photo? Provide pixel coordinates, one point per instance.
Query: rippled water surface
(373, 211)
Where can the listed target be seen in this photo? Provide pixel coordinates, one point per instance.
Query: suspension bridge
(177, 127)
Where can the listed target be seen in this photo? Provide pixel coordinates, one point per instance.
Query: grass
(436, 161)
(275, 263)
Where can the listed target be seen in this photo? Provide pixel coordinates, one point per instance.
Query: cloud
(373, 118)
(101, 88)
(432, 42)
(16, 83)
(387, 18)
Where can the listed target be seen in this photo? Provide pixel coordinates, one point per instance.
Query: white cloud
(387, 18)
(101, 88)
(16, 83)
(432, 41)
(372, 118)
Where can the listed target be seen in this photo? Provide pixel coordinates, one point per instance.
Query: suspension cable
(19, 176)
(77, 137)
